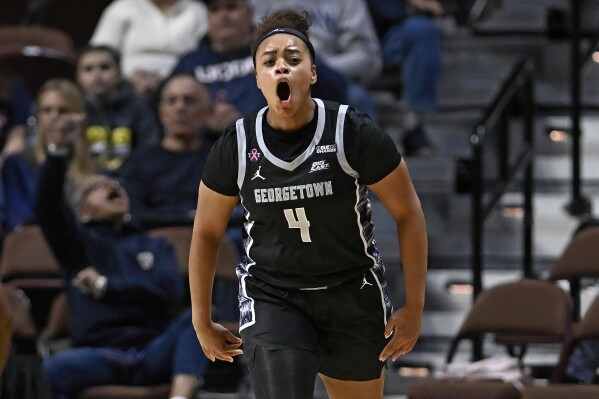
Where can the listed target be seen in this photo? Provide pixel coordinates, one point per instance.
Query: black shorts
(344, 325)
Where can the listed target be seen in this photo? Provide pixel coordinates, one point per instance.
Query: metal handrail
(520, 80)
(484, 200)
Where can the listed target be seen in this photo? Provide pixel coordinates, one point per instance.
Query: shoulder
(201, 55)
(228, 139)
(354, 119)
(361, 121)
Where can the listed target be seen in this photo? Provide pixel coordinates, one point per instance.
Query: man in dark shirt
(162, 179)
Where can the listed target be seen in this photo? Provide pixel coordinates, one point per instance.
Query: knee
(422, 28)
(57, 378)
(419, 29)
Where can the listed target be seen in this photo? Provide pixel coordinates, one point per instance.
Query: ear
(314, 75)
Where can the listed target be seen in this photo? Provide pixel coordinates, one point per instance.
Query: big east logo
(319, 165)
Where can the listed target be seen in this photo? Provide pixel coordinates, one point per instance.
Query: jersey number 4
(298, 222)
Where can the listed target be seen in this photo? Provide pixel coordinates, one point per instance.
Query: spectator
(122, 286)
(223, 62)
(344, 37)
(162, 179)
(56, 98)
(150, 35)
(15, 108)
(412, 41)
(118, 121)
(165, 190)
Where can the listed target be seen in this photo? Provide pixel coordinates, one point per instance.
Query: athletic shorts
(344, 325)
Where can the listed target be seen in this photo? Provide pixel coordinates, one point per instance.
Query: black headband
(289, 31)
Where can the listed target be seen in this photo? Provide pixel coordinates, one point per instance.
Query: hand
(404, 324)
(86, 279)
(219, 343)
(223, 113)
(63, 129)
(433, 7)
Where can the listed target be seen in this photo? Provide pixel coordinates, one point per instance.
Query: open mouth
(113, 195)
(283, 91)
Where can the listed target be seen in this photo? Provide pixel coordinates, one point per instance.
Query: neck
(299, 119)
(181, 144)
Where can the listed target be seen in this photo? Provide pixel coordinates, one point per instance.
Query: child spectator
(118, 121)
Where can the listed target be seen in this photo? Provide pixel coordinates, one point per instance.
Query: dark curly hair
(285, 18)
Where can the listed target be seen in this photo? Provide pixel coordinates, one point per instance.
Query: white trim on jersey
(382, 295)
(252, 302)
(339, 136)
(241, 154)
(340, 144)
(360, 227)
(241, 149)
(304, 155)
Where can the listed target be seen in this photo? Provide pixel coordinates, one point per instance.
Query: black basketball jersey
(307, 221)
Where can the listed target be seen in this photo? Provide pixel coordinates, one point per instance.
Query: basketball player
(313, 297)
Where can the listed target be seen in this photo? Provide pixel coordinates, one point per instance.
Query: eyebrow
(292, 50)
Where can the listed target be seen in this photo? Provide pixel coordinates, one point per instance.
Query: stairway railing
(485, 193)
(493, 128)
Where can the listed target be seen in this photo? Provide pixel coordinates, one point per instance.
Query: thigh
(279, 341)
(176, 351)
(74, 370)
(275, 318)
(351, 328)
(340, 389)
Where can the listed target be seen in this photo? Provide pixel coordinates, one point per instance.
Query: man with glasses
(123, 289)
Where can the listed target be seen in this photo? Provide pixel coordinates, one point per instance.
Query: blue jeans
(584, 361)
(176, 351)
(416, 46)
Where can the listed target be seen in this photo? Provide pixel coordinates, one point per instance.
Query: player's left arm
(397, 193)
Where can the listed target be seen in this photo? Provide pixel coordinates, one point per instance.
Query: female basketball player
(313, 297)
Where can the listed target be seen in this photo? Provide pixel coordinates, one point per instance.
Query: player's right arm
(210, 223)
